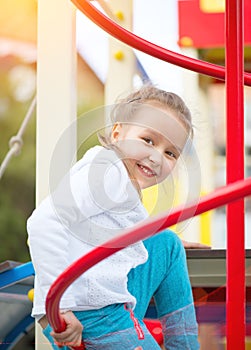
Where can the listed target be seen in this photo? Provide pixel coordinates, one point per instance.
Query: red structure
(236, 187)
(202, 29)
(235, 171)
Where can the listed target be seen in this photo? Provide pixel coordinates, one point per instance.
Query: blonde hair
(125, 108)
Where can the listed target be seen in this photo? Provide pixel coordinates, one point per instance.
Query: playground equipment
(16, 281)
(142, 231)
(234, 79)
(235, 160)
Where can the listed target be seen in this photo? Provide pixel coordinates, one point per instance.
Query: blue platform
(15, 321)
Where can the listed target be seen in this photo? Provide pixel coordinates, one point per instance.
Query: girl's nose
(155, 157)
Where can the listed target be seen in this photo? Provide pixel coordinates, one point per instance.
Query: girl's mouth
(146, 171)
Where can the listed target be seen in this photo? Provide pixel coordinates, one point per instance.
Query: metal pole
(56, 98)
(235, 171)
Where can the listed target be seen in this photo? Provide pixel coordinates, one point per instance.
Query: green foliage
(12, 231)
(18, 182)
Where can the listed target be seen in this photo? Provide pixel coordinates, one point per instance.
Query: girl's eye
(171, 154)
(147, 140)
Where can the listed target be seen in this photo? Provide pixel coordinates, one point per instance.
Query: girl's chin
(146, 184)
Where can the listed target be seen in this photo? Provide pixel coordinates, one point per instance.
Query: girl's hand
(194, 245)
(72, 336)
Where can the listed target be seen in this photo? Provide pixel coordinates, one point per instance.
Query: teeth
(145, 170)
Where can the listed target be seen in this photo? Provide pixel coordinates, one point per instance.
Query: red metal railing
(150, 227)
(235, 254)
(235, 77)
(143, 45)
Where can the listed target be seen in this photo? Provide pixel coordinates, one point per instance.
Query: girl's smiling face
(151, 143)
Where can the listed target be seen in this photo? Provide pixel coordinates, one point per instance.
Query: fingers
(194, 245)
(72, 336)
(68, 341)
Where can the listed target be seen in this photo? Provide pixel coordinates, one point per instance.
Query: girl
(99, 198)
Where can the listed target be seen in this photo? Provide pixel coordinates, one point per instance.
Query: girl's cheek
(167, 169)
(138, 150)
(134, 149)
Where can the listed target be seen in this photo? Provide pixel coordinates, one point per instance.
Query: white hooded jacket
(94, 202)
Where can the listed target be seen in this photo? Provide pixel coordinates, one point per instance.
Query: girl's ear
(116, 130)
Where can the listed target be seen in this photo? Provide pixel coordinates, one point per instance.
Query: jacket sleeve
(49, 234)
(48, 244)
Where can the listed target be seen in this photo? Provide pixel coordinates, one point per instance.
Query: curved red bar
(141, 231)
(143, 45)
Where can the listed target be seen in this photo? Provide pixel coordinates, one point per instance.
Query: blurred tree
(18, 182)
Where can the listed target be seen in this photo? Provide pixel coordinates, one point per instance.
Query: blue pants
(165, 277)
